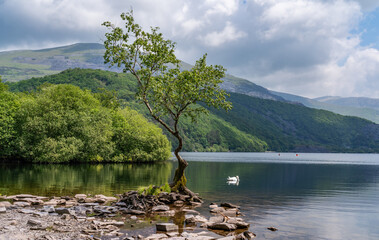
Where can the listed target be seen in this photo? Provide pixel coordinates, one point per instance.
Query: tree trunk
(179, 181)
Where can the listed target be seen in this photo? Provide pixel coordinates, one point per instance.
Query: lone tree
(168, 92)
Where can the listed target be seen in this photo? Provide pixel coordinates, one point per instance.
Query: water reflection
(59, 180)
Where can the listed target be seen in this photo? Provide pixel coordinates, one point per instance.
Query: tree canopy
(62, 123)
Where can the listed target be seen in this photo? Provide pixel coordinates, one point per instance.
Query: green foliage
(154, 190)
(166, 92)
(9, 105)
(62, 123)
(291, 127)
(142, 140)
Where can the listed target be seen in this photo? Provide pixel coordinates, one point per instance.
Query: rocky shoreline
(82, 216)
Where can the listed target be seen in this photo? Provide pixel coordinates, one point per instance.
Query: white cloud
(228, 34)
(306, 47)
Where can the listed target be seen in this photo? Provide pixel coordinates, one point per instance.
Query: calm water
(309, 196)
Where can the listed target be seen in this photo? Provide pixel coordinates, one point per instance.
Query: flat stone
(26, 211)
(80, 196)
(49, 209)
(3, 210)
(160, 208)
(233, 212)
(229, 205)
(213, 206)
(216, 219)
(132, 211)
(217, 210)
(200, 219)
(41, 214)
(34, 222)
(25, 196)
(246, 236)
(121, 204)
(223, 226)
(190, 219)
(5, 204)
(90, 204)
(167, 227)
(62, 211)
(21, 204)
(52, 202)
(156, 236)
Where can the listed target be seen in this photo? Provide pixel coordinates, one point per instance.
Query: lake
(305, 196)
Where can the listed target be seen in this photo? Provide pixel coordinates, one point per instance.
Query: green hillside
(344, 106)
(210, 134)
(249, 126)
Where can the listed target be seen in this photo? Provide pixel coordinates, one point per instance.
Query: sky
(310, 48)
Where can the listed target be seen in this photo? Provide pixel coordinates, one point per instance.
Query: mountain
(367, 108)
(254, 124)
(358, 102)
(25, 64)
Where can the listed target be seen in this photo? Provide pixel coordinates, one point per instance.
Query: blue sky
(310, 48)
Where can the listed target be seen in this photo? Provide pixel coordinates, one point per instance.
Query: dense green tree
(9, 105)
(168, 93)
(63, 123)
(140, 139)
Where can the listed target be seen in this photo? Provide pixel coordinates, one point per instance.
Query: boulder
(80, 196)
(5, 204)
(222, 226)
(3, 210)
(245, 236)
(62, 211)
(21, 204)
(34, 222)
(218, 210)
(167, 227)
(229, 205)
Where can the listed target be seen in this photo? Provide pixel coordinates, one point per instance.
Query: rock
(160, 208)
(246, 236)
(21, 204)
(34, 222)
(217, 210)
(26, 211)
(223, 226)
(167, 227)
(191, 211)
(80, 196)
(132, 211)
(200, 219)
(62, 211)
(229, 205)
(3, 210)
(272, 229)
(5, 204)
(227, 238)
(90, 200)
(232, 212)
(25, 196)
(134, 218)
(217, 219)
(213, 206)
(49, 209)
(156, 236)
(51, 202)
(90, 204)
(121, 204)
(170, 213)
(179, 203)
(190, 219)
